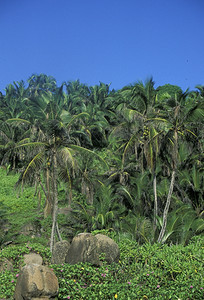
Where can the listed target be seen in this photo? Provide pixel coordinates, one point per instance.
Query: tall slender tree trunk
(155, 200)
(48, 206)
(70, 190)
(14, 162)
(55, 204)
(39, 200)
(58, 232)
(168, 201)
(166, 209)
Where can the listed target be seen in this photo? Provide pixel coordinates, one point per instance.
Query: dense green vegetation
(90, 158)
(144, 272)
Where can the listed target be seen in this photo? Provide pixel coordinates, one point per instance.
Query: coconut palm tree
(41, 83)
(144, 133)
(51, 144)
(181, 120)
(108, 209)
(191, 181)
(76, 97)
(13, 132)
(183, 224)
(13, 103)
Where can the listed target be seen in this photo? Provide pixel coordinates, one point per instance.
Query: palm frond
(32, 144)
(89, 152)
(130, 198)
(129, 143)
(35, 163)
(68, 156)
(18, 121)
(77, 117)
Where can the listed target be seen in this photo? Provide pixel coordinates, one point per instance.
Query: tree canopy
(130, 159)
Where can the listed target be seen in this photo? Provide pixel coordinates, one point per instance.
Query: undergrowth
(143, 272)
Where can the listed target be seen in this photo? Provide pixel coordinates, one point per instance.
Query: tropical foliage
(129, 160)
(144, 272)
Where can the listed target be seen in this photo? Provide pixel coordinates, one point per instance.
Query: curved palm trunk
(166, 209)
(168, 201)
(155, 201)
(55, 204)
(70, 190)
(14, 162)
(47, 208)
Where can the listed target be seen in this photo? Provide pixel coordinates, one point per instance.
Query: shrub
(144, 272)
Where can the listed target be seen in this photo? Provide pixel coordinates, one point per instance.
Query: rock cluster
(35, 281)
(38, 282)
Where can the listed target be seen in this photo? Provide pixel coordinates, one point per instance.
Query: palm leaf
(129, 143)
(100, 218)
(195, 114)
(36, 162)
(76, 117)
(32, 144)
(124, 189)
(67, 156)
(89, 152)
(17, 120)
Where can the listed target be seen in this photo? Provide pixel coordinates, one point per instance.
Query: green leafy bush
(144, 272)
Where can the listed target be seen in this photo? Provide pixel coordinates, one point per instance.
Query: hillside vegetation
(129, 163)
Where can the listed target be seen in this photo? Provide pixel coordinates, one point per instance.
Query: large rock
(107, 246)
(87, 248)
(59, 252)
(36, 282)
(32, 258)
(83, 249)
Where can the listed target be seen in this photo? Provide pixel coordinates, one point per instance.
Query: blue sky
(113, 41)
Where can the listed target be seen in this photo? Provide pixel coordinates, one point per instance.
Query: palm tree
(183, 224)
(51, 146)
(108, 210)
(201, 90)
(41, 83)
(13, 104)
(143, 124)
(191, 182)
(144, 96)
(138, 227)
(180, 123)
(47, 151)
(76, 97)
(97, 107)
(13, 133)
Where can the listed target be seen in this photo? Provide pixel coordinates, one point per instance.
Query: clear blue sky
(113, 41)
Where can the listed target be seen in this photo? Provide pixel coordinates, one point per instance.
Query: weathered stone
(87, 248)
(83, 249)
(32, 258)
(35, 281)
(107, 246)
(5, 265)
(59, 252)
